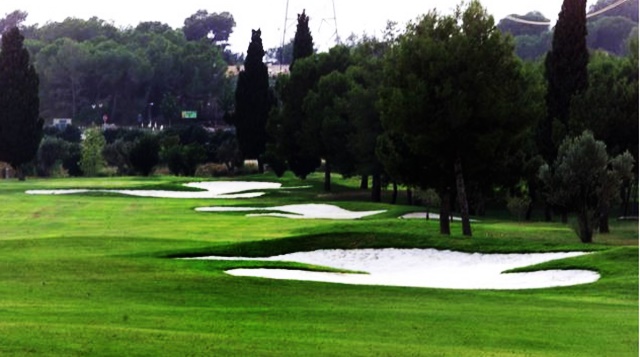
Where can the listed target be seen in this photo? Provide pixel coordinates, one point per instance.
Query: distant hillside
(609, 31)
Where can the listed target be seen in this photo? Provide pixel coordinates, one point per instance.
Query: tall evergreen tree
(285, 124)
(565, 71)
(253, 103)
(302, 41)
(20, 124)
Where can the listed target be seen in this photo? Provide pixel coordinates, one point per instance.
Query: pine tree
(565, 71)
(253, 103)
(20, 125)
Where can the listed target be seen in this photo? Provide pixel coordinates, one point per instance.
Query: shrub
(91, 161)
(144, 154)
(212, 170)
(518, 206)
(184, 160)
(117, 154)
(51, 153)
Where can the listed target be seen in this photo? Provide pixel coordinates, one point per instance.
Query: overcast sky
(352, 16)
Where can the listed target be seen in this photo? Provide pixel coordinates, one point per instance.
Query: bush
(51, 153)
(71, 162)
(212, 170)
(91, 161)
(184, 160)
(117, 154)
(518, 206)
(144, 154)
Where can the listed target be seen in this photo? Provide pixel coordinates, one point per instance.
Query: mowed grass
(91, 275)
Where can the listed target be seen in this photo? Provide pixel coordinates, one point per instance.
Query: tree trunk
(462, 197)
(113, 109)
(584, 226)
(532, 195)
(445, 212)
(409, 197)
(20, 173)
(260, 165)
(565, 215)
(547, 212)
(327, 176)
(364, 183)
(603, 219)
(376, 188)
(394, 195)
(626, 198)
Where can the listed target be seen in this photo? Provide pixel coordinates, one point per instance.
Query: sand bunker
(307, 211)
(434, 216)
(212, 189)
(424, 268)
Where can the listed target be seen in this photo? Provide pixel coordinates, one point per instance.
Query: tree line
(447, 105)
(444, 106)
(90, 69)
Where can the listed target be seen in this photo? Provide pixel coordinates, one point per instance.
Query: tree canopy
(215, 26)
(459, 110)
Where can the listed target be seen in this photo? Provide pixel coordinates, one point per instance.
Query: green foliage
(302, 41)
(584, 178)
(610, 33)
(565, 71)
(20, 124)
(254, 100)
(118, 154)
(327, 126)
(628, 9)
(471, 104)
(516, 29)
(184, 148)
(609, 106)
(144, 154)
(201, 25)
(518, 206)
(283, 55)
(533, 47)
(92, 161)
(184, 160)
(13, 19)
(77, 30)
(120, 72)
(51, 154)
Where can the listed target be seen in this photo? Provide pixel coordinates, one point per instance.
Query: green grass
(90, 276)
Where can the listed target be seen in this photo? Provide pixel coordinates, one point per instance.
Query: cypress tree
(302, 41)
(253, 103)
(285, 124)
(20, 124)
(565, 71)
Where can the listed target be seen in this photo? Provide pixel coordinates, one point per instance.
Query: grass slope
(89, 275)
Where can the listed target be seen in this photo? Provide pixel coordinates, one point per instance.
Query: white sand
(303, 211)
(434, 216)
(212, 189)
(424, 268)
